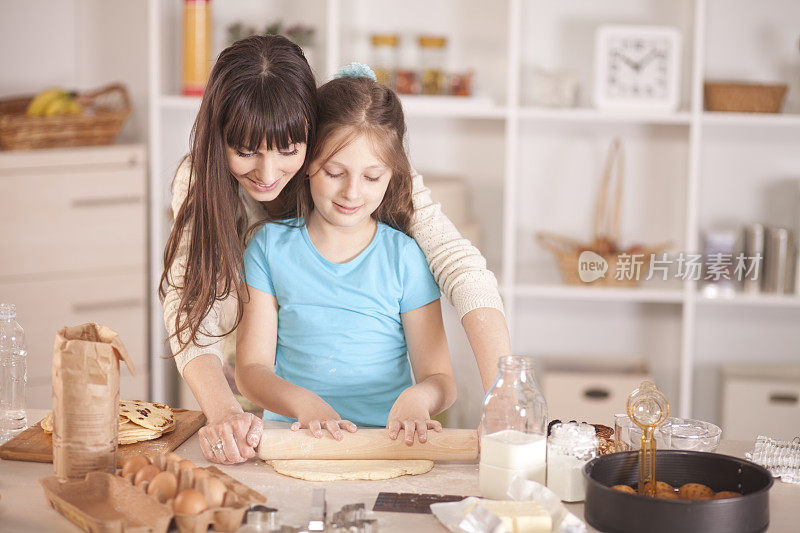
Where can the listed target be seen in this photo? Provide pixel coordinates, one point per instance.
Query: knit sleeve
(206, 342)
(458, 267)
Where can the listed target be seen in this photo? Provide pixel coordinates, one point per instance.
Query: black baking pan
(612, 511)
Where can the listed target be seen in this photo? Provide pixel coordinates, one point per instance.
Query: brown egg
(721, 495)
(189, 501)
(164, 486)
(695, 491)
(146, 473)
(624, 488)
(185, 463)
(215, 490)
(134, 464)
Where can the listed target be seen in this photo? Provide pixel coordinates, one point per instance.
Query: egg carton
(224, 513)
(89, 502)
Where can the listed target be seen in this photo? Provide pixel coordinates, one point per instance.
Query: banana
(74, 107)
(40, 102)
(58, 106)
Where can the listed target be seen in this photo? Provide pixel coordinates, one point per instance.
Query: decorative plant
(301, 34)
(274, 28)
(238, 30)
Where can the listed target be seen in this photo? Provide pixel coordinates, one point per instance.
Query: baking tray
(613, 511)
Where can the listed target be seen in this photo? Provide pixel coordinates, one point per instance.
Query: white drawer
(43, 307)
(588, 397)
(752, 407)
(73, 219)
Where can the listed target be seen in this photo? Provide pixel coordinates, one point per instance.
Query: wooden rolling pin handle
(449, 445)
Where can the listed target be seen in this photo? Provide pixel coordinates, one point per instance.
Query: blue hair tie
(356, 70)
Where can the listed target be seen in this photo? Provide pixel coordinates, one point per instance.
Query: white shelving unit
(532, 169)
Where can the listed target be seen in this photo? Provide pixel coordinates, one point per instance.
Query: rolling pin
(373, 443)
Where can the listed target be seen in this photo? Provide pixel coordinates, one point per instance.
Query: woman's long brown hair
(348, 107)
(261, 90)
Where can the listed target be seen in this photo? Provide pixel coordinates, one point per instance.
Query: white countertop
(23, 506)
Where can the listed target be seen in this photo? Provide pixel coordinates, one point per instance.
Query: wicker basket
(104, 113)
(606, 233)
(744, 97)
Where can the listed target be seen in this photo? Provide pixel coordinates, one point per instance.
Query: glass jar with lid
(514, 428)
(384, 57)
(569, 447)
(432, 64)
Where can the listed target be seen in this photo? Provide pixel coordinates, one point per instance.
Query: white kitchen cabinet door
(753, 407)
(71, 219)
(117, 300)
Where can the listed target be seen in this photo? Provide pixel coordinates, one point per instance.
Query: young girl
(338, 296)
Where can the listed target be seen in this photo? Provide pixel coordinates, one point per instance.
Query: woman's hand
(320, 415)
(233, 439)
(411, 413)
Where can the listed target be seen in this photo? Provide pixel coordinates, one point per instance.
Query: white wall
(77, 44)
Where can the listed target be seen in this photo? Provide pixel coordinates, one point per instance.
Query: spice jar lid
(8, 311)
(573, 434)
(432, 41)
(384, 39)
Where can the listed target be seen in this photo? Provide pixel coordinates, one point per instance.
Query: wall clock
(637, 67)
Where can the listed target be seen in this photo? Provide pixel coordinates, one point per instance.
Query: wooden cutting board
(35, 445)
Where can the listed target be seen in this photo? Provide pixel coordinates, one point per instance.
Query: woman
(249, 145)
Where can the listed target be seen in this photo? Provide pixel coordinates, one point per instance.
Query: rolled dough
(339, 470)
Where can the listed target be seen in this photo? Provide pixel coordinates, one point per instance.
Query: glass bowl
(689, 434)
(674, 434)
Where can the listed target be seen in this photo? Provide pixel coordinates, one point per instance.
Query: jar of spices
(514, 420)
(384, 57)
(432, 62)
(461, 84)
(569, 447)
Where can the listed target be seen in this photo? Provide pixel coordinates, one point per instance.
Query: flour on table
(344, 469)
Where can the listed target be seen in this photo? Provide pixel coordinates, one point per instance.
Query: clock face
(637, 67)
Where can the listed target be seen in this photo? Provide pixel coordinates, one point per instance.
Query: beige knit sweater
(458, 267)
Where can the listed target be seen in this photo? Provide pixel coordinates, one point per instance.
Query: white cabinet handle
(91, 307)
(83, 203)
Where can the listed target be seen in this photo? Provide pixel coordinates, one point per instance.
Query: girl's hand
(410, 412)
(233, 439)
(321, 415)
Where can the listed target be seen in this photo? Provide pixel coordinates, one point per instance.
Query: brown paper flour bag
(86, 399)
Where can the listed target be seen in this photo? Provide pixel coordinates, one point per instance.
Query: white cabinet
(73, 244)
(761, 400)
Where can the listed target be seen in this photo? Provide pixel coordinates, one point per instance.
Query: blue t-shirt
(339, 329)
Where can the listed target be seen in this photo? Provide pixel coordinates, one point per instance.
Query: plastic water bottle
(13, 373)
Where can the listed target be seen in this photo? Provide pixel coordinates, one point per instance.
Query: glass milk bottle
(514, 429)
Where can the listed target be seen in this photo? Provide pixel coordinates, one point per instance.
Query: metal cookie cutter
(351, 519)
(317, 516)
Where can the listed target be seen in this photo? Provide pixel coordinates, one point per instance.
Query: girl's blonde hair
(347, 108)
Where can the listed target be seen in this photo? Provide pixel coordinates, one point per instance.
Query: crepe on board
(138, 421)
